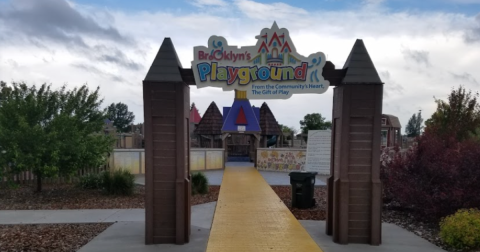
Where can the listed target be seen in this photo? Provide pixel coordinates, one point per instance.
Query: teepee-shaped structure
(208, 130)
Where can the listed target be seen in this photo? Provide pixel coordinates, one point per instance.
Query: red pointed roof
(275, 36)
(263, 45)
(194, 115)
(241, 118)
(287, 46)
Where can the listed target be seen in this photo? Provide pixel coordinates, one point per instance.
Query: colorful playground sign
(272, 69)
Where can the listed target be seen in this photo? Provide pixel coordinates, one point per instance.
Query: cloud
(418, 56)
(96, 71)
(115, 56)
(391, 88)
(55, 20)
(465, 77)
(54, 24)
(473, 33)
(202, 3)
(119, 64)
(272, 11)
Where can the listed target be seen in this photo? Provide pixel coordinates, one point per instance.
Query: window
(384, 121)
(384, 138)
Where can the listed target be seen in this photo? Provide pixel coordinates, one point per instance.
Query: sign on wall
(318, 151)
(272, 69)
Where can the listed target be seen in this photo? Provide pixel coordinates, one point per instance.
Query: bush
(120, 182)
(435, 178)
(90, 181)
(199, 183)
(461, 230)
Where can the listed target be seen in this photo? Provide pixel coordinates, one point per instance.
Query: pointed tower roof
(360, 68)
(211, 122)
(268, 123)
(230, 125)
(166, 65)
(194, 115)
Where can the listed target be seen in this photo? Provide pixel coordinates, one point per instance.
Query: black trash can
(303, 187)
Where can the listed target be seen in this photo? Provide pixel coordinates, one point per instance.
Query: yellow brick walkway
(250, 217)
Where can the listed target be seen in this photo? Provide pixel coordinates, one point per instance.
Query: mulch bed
(48, 237)
(318, 212)
(211, 196)
(67, 196)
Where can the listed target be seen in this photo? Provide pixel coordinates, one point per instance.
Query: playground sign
(272, 69)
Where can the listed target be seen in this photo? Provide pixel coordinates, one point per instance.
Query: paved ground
(272, 177)
(128, 234)
(250, 217)
(394, 239)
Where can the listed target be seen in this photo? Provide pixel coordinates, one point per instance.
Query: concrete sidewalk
(128, 233)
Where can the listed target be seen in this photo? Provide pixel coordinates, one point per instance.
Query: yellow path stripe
(251, 217)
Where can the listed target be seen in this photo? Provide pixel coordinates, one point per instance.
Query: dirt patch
(211, 196)
(48, 237)
(318, 212)
(67, 196)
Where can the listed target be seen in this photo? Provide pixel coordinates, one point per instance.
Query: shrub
(461, 230)
(199, 183)
(120, 182)
(90, 181)
(435, 178)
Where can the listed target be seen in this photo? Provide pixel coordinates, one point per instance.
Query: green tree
(288, 130)
(121, 117)
(4, 90)
(414, 125)
(314, 121)
(52, 132)
(459, 116)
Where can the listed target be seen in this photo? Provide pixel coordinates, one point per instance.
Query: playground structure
(354, 187)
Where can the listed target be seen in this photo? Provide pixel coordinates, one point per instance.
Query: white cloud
(209, 3)
(273, 11)
(409, 86)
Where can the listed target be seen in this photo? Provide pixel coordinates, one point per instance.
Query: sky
(421, 49)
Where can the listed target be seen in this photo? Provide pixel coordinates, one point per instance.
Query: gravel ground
(48, 237)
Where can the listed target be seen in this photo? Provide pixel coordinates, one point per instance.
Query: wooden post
(354, 188)
(167, 148)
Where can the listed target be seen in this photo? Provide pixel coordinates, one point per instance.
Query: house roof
(394, 122)
(232, 113)
(359, 66)
(166, 65)
(268, 123)
(194, 115)
(211, 122)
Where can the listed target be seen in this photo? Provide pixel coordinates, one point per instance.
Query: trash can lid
(302, 174)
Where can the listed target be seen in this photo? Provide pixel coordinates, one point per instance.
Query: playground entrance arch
(272, 69)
